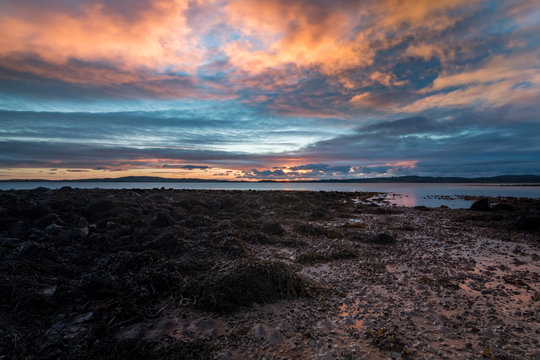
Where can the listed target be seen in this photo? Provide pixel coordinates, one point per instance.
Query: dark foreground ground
(169, 274)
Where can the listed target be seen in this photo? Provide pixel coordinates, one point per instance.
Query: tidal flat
(211, 274)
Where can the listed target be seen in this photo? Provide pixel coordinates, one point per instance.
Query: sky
(274, 89)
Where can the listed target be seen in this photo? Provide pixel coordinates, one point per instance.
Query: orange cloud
(278, 33)
(332, 38)
(159, 38)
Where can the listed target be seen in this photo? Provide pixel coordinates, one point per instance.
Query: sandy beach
(176, 274)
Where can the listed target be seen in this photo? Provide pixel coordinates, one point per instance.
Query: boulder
(481, 205)
(272, 227)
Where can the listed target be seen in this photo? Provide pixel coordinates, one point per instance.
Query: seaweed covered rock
(247, 281)
(272, 228)
(528, 222)
(330, 253)
(383, 238)
(481, 205)
(379, 239)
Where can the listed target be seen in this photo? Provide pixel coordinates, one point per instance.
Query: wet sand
(264, 275)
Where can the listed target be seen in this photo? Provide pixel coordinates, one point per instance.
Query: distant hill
(119, 179)
(503, 179)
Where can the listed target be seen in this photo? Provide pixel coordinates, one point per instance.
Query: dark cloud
(440, 145)
(323, 168)
(193, 167)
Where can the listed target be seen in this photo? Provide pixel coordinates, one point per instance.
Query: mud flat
(175, 274)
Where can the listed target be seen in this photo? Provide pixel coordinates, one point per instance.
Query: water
(399, 194)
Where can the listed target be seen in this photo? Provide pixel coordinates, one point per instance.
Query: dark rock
(311, 230)
(167, 243)
(96, 286)
(99, 207)
(8, 242)
(110, 226)
(83, 223)
(47, 220)
(481, 205)
(233, 246)
(72, 234)
(52, 229)
(528, 222)
(17, 229)
(33, 210)
(126, 261)
(503, 207)
(162, 219)
(382, 239)
(272, 228)
(316, 215)
(35, 251)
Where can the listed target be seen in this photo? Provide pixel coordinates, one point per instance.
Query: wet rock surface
(170, 274)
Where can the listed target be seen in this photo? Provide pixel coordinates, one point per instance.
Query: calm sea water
(399, 194)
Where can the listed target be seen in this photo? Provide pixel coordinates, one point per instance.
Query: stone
(481, 205)
(272, 228)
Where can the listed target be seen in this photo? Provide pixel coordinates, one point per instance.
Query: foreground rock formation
(169, 274)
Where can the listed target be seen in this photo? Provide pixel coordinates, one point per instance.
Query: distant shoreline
(503, 180)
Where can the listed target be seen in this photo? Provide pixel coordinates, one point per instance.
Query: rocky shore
(177, 274)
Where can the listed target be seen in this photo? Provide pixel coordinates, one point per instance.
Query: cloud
(424, 145)
(153, 34)
(287, 87)
(193, 167)
(323, 168)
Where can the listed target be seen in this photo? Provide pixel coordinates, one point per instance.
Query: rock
(503, 207)
(272, 228)
(325, 324)
(8, 241)
(481, 205)
(224, 356)
(52, 229)
(259, 331)
(99, 207)
(162, 219)
(110, 226)
(17, 229)
(330, 355)
(83, 318)
(383, 238)
(47, 220)
(35, 251)
(72, 234)
(316, 215)
(84, 231)
(528, 222)
(167, 243)
(83, 223)
(275, 337)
